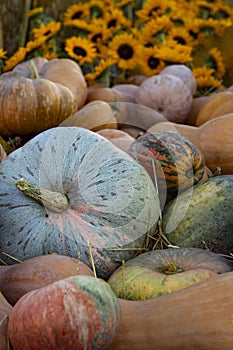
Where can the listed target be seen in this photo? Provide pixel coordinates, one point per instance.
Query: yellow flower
(47, 30)
(16, 58)
(116, 20)
(126, 50)
(34, 44)
(180, 35)
(206, 82)
(154, 29)
(172, 52)
(100, 69)
(3, 54)
(50, 55)
(76, 11)
(153, 8)
(96, 8)
(35, 11)
(80, 49)
(150, 63)
(215, 61)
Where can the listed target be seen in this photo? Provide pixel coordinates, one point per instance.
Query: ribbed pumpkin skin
(5, 309)
(161, 272)
(29, 106)
(202, 217)
(112, 200)
(79, 312)
(177, 163)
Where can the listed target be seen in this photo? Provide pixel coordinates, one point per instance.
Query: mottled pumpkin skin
(173, 162)
(161, 272)
(80, 312)
(112, 202)
(202, 217)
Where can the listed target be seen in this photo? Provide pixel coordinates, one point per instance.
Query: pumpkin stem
(34, 71)
(52, 200)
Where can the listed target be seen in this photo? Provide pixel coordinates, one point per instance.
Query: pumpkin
(94, 115)
(202, 216)
(3, 153)
(197, 103)
(62, 71)
(106, 94)
(164, 271)
(214, 138)
(79, 194)
(39, 94)
(79, 312)
(167, 94)
(218, 104)
(184, 73)
(118, 137)
(172, 161)
(18, 279)
(5, 310)
(127, 91)
(196, 317)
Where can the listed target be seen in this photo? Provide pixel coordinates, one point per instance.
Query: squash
(214, 138)
(202, 216)
(172, 161)
(106, 94)
(197, 103)
(196, 317)
(79, 312)
(168, 95)
(3, 153)
(18, 279)
(118, 137)
(33, 99)
(94, 116)
(184, 73)
(5, 310)
(127, 91)
(79, 194)
(164, 271)
(62, 71)
(218, 104)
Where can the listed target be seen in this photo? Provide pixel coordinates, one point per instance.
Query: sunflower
(116, 20)
(172, 52)
(76, 11)
(209, 26)
(154, 8)
(3, 54)
(96, 8)
(50, 55)
(80, 49)
(215, 61)
(16, 58)
(206, 82)
(34, 12)
(223, 12)
(101, 72)
(34, 44)
(47, 30)
(155, 28)
(205, 9)
(125, 49)
(150, 63)
(180, 35)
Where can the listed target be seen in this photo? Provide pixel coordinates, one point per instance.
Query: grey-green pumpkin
(106, 204)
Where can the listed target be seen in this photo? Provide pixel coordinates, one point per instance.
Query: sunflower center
(77, 15)
(155, 9)
(112, 23)
(207, 29)
(95, 37)
(47, 33)
(79, 51)
(153, 62)
(180, 40)
(125, 51)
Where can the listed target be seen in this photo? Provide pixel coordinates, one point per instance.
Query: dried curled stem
(52, 200)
